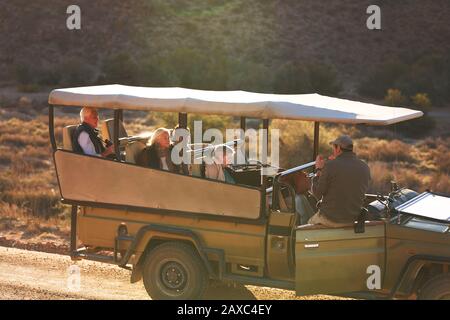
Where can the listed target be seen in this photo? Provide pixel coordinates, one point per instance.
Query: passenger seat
(67, 137)
(107, 130)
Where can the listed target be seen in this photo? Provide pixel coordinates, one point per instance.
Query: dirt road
(37, 275)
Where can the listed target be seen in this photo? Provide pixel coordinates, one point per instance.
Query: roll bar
(289, 171)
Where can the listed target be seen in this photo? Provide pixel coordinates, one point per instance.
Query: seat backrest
(67, 137)
(107, 130)
(133, 150)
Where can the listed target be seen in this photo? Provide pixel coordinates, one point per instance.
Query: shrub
(387, 151)
(381, 176)
(394, 98)
(417, 128)
(120, 68)
(440, 182)
(75, 72)
(24, 74)
(384, 77)
(421, 101)
(29, 88)
(297, 140)
(187, 66)
(430, 73)
(294, 78)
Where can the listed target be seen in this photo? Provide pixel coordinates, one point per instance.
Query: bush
(421, 102)
(429, 74)
(293, 78)
(384, 77)
(24, 74)
(417, 128)
(382, 150)
(394, 98)
(120, 68)
(28, 88)
(440, 182)
(75, 72)
(250, 76)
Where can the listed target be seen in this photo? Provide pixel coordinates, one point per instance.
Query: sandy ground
(28, 274)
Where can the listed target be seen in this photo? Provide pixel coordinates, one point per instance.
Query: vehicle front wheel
(437, 288)
(174, 270)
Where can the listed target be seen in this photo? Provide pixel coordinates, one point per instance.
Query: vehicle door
(338, 260)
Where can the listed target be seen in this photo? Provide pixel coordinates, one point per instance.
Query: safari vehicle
(179, 232)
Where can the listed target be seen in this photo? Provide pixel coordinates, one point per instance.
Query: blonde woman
(157, 153)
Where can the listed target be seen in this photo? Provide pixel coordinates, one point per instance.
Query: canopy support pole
(264, 179)
(182, 120)
(51, 127)
(316, 140)
(243, 123)
(73, 231)
(117, 117)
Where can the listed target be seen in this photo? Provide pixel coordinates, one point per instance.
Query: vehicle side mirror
(360, 224)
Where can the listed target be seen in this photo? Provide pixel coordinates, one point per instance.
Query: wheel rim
(173, 276)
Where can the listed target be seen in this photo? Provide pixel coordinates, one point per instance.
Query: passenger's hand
(320, 162)
(108, 151)
(332, 157)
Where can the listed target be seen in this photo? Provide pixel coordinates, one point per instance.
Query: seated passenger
(341, 183)
(301, 184)
(157, 153)
(86, 139)
(222, 156)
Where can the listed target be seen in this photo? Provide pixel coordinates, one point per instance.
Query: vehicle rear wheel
(437, 288)
(174, 270)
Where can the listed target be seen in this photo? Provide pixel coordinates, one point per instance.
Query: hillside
(226, 44)
(283, 46)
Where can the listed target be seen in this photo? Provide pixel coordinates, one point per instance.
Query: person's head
(342, 144)
(223, 154)
(160, 138)
(89, 115)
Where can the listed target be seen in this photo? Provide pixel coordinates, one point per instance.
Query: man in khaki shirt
(341, 183)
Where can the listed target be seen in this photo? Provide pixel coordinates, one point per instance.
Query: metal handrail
(295, 169)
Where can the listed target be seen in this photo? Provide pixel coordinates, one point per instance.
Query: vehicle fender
(147, 234)
(406, 280)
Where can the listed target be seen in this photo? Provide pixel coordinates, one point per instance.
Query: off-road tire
(174, 271)
(437, 288)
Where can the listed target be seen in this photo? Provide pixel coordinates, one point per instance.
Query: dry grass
(16, 223)
(27, 179)
(420, 166)
(372, 149)
(29, 196)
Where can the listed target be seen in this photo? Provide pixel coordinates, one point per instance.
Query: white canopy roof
(309, 107)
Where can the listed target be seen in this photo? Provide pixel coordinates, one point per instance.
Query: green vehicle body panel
(336, 260)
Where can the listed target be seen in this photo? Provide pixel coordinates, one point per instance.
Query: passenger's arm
(320, 183)
(86, 144)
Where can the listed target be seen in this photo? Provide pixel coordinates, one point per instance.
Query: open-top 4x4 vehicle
(178, 231)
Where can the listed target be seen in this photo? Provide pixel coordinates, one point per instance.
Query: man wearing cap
(341, 183)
